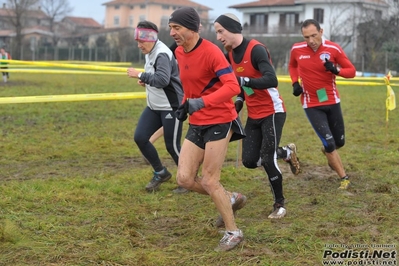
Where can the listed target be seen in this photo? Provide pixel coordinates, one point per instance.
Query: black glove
(182, 111)
(330, 67)
(195, 105)
(296, 89)
(238, 104)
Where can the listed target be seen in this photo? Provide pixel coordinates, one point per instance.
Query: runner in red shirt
(252, 65)
(313, 67)
(209, 85)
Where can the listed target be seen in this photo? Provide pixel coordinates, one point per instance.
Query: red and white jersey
(307, 67)
(263, 102)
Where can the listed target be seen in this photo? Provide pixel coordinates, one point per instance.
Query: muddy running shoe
(278, 213)
(239, 202)
(180, 190)
(324, 152)
(157, 180)
(344, 184)
(293, 160)
(230, 240)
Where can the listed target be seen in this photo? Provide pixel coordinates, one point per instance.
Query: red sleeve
(347, 69)
(224, 72)
(293, 67)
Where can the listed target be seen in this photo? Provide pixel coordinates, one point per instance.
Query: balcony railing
(275, 30)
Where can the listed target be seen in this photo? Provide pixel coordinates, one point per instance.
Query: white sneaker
(239, 202)
(230, 240)
(278, 213)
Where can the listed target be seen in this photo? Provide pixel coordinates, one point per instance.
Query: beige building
(127, 13)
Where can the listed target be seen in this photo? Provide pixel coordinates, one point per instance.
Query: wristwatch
(246, 81)
(139, 75)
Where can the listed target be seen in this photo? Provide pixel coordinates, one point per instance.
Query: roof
(266, 3)
(261, 3)
(25, 31)
(4, 12)
(84, 22)
(182, 3)
(98, 32)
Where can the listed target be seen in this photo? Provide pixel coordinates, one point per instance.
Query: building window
(165, 7)
(164, 22)
(116, 21)
(117, 7)
(132, 7)
(288, 20)
(143, 6)
(378, 14)
(318, 14)
(142, 18)
(131, 21)
(258, 22)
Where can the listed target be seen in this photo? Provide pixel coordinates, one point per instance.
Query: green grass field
(72, 185)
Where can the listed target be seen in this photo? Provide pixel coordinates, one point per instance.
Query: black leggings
(262, 140)
(5, 73)
(150, 121)
(328, 123)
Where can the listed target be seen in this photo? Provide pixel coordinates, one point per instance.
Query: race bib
(322, 95)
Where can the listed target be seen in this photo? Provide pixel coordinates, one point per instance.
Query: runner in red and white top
(313, 67)
(252, 65)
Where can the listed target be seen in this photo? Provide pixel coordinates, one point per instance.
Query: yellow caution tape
(73, 97)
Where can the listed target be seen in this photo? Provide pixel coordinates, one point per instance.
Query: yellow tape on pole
(60, 71)
(344, 82)
(47, 64)
(287, 77)
(101, 63)
(74, 97)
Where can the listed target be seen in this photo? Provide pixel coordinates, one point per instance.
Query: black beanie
(187, 17)
(229, 24)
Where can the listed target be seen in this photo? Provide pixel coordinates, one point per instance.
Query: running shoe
(157, 180)
(293, 160)
(230, 240)
(278, 212)
(239, 202)
(344, 184)
(180, 190)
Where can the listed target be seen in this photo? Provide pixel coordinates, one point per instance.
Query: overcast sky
(94, 8)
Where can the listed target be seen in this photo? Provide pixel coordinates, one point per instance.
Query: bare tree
(341, 24)
(56, 9)
(379, 43)
(17, 13)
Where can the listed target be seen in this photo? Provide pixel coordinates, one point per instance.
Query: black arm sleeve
(261, 61)
(241, 96)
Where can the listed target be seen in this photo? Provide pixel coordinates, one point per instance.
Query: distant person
(3, 65)
(164, 94)
(209, 85)
(255, 73)
(313, 67)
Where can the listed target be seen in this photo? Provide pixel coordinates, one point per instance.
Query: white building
(338, 18)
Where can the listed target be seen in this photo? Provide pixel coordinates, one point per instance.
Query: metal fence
(73, 53)
(377, 62)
